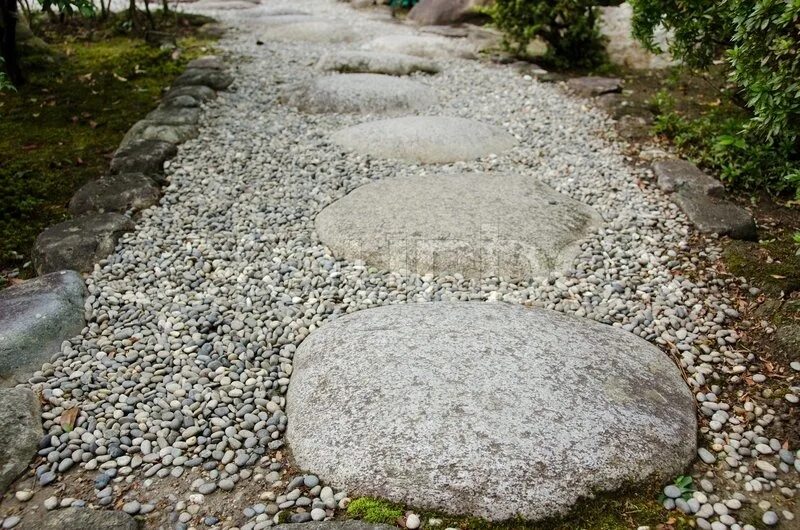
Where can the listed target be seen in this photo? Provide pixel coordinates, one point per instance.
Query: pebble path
(193, 322)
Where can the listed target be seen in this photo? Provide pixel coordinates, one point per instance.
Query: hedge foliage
(759, 40)
(568, 27)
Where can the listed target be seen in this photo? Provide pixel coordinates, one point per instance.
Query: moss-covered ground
(59, 130)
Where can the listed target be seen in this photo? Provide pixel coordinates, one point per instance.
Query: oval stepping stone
(376, 63)
(476, 224)
(319, 31)
(426, 139)
(360, 93)
(431, 46)
(485, 409)
(20, 432)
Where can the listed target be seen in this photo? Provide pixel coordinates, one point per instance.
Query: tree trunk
(8, 40)
(134, 15)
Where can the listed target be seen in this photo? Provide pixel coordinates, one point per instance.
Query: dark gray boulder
(149, 130)
(20, 432)
(592, 86)
(702, 200)
(211, 62)
(35, 318)
(144, 156)
(115, 193)
(79, 243)
(199, 92)
(170, 115)
(79, 519)
(204, 77)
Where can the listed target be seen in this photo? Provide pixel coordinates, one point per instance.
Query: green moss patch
(375, 511)
(59, 130)
(772, 265)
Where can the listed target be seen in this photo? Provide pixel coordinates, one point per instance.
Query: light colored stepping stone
(430, 46)
(360, 93)
(83, 519)
(426, 139)
(318, 31)
(485, 409)
(475, 224)
(376, 63)
(20, 432)
(35, 318)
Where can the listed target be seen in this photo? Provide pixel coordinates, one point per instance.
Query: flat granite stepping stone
(150, 130)
(485, 409)
(115, 193)
(36, 316)
(474, 224)
(144, 156)
(426, 139)
(20, 432)
(364, 93)
(79, 243)
(319, 31)
(376, 63)
(430, 46)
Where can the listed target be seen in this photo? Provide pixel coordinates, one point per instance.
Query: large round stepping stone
(430, 46)
(35, 318)
(426, 139)
(475, 224)
(365, 93)
(376, 63)
(319, 31)
(485, 409)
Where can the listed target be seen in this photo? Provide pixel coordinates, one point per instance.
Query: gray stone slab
(434, 12)
(485, 409)
(592, 86)
(376, 63)
(174, 115)
(20, 432)
(79, 243)
(430, 46)
(199, 92)
(35, 318)
(474, 224)
(211, 78)
(125, 192)
(426, 139)
(144, 156)
(702, 200)
(79, 519)
(359, 93)
(149, 130)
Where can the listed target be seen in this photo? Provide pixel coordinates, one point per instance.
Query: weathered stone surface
(486, 409)
(198, 92)
(35, 318)
(349, 62)
(204, 77)
(144, 156)
(173, 115)
(426, 139)
(475, 224)
(337, 525)
(115, 193)
(702, 200)
(20, 432)
(430, 46)
(434, 12)
(592, 86)
(79, 519)
(207, 61)
(148, 130)
(622, 48)
(320, 31)
(359, 93)
(225, 5)
(79, 243)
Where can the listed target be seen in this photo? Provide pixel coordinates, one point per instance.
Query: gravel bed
(194, 320)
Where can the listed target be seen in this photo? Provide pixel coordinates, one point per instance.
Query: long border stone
(702, 200)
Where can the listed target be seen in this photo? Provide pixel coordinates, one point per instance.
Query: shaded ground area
(59, 130)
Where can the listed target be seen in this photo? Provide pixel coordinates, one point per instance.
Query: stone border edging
(103, 207)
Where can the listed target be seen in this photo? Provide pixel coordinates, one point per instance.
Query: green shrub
(568, 27)
(720, 141)
(759, 40)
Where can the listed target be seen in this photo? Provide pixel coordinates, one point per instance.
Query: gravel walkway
(194, 320)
